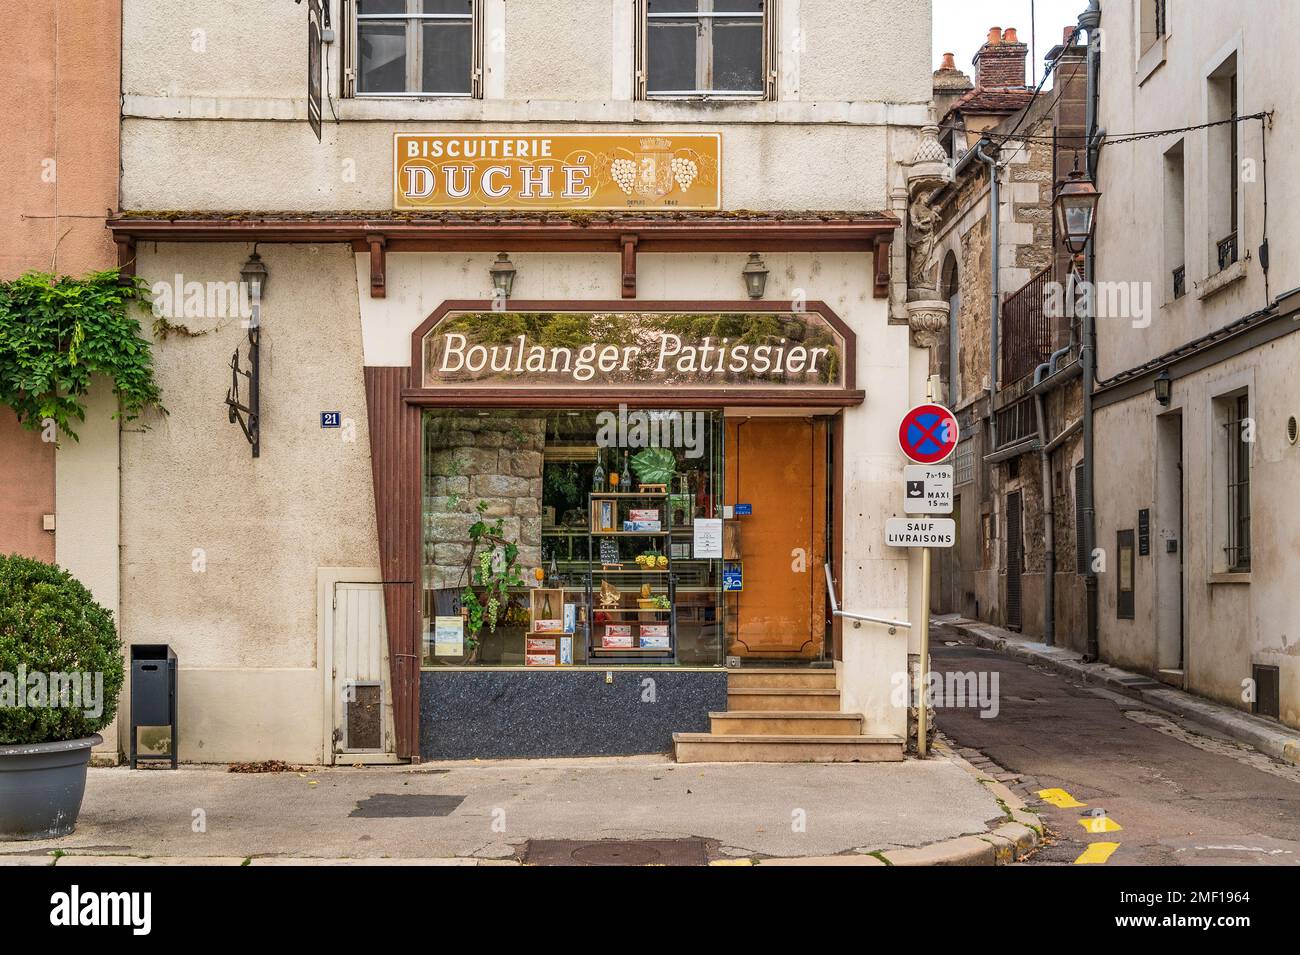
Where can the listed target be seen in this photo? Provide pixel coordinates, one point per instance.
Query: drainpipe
(1049, 512)
(995, 310)
(1090, 23)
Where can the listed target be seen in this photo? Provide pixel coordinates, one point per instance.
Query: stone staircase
(777, 715)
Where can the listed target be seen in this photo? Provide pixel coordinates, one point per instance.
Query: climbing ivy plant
(58, 332)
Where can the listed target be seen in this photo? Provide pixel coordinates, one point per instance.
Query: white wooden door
(362, 709)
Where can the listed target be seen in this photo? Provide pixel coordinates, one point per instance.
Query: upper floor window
(415, 48)
(698, 48)
(1154, 23)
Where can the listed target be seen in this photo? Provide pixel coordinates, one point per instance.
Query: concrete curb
(1269, 738)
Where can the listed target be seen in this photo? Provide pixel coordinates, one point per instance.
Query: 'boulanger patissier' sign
(562, 349)
(557, 171)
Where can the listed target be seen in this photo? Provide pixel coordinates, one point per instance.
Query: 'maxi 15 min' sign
(627, 171)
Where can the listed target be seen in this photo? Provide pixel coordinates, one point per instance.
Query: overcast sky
(961, 26)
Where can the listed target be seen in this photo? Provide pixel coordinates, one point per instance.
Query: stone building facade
(997, 571)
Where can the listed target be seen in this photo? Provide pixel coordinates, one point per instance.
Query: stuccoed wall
(220, 551)
(214, 104)
(1130, 215)
(246, 165)
(1229, 625)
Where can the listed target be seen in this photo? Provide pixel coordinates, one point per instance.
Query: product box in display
(570, 618)
(641, 527)
(539, 645)
(654, 630)
(548, 626)
(649, 642)
(620, 639)
(566, 651)
(540, 660)
(644, 514)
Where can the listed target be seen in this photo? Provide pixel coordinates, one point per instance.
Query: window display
(543, 529)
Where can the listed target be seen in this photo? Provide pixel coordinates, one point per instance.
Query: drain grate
(403, 806)
(616, 852)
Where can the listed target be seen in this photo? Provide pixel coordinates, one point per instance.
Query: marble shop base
(494, 714)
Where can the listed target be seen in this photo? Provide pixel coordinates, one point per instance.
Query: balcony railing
(1227, 251)
(1026, 330)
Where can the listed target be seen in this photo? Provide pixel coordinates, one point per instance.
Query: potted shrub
(60, 676)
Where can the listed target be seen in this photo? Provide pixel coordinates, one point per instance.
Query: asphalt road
(1180, 794)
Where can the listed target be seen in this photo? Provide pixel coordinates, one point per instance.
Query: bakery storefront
(634, 493)
(618, 446)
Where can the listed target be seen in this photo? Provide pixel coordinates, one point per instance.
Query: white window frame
(769, 17)
(413, 52)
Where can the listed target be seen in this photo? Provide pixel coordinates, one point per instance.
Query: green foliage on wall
(58, 332)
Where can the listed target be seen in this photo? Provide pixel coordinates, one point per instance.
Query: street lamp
(755, 273)
(503, 274)
(1076, 211)
(254, 275)
(1164, 388)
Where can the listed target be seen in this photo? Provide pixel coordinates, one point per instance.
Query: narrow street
(1179, 794)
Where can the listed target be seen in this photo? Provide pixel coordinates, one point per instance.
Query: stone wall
(495, 459)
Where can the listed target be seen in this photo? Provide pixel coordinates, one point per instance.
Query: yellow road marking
(1100, 824)
(1097, 853)
(1059, 798)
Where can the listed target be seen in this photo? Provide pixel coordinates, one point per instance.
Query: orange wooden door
(778, 467)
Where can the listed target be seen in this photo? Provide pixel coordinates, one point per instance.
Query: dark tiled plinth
(520, 713)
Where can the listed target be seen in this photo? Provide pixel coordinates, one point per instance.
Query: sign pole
(923, 634)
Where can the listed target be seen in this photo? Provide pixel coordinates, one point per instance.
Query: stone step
(784, 723)
(799, 698)
(708, 748)
(775, 676)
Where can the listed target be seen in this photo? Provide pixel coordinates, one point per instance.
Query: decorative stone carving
(928, 171)
(928, 319)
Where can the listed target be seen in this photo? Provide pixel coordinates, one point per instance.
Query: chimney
(1000, 62)
(949, 62)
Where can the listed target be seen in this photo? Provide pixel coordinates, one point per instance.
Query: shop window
(706, 48)
(545, 475)
(415, 48)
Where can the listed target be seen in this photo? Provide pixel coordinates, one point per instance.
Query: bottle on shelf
(598, 477)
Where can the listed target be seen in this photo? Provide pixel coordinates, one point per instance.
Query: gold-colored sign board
(623, 171)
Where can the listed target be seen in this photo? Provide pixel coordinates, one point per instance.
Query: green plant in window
(492, 568)
(57, 333)
(654, 465)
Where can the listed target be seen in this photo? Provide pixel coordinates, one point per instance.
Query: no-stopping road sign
(928, 434)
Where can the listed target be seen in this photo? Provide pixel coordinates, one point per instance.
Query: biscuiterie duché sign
(632, 349)
(555, 171)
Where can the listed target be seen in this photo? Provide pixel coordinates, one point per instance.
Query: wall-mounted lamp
(254, 275)
(1164, 386)
(755, 274)
(503, 275)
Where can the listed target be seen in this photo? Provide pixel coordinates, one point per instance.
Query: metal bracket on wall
(247, 416)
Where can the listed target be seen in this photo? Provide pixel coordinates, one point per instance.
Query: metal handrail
(893, 625)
